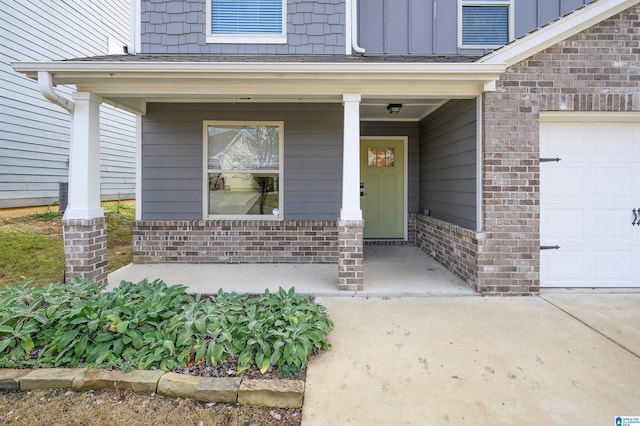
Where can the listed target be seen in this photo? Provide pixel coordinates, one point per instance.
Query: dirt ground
(64, 407)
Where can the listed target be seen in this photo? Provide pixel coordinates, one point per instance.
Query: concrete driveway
(555, 359)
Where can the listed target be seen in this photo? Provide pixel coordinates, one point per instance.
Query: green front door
(382, 188)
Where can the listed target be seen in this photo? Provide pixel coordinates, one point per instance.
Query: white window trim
(247, 38)
(507, 3)
(205, 168)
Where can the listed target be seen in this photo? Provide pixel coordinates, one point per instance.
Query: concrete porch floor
(388, 271)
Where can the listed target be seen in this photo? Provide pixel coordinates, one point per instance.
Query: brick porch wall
(350, 255)
(455, 247)
(85, 249)
(596, 70)
(235, 241)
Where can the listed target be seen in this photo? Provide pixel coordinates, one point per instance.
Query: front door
(382, 188)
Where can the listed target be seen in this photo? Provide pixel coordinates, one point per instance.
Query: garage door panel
(611, 267)
(562, 141)
(612, 225)
(612, 182)
(612, 142)
(586, 202)
(565, 268)
(563, 182)
(567, 224)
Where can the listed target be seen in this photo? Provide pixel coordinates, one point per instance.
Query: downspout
(354, 28)
(45, 85)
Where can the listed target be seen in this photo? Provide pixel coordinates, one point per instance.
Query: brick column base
(85, 249)
(350, 255)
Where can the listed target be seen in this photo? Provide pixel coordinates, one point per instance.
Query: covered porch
(389, 270)
(324, 107)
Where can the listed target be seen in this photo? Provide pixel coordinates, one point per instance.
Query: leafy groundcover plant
(149, 325)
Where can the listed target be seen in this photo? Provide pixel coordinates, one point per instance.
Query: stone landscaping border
(257, 392)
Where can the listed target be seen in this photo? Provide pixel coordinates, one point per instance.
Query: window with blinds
(485, 23)
(246, 21)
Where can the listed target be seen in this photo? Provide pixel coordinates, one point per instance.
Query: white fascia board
(128, 85)
(115, 69)
(590, 116)
(556, 32)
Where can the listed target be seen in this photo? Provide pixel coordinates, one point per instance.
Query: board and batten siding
(430, 27)
(448, 163)
(34, 133)
(172, 163)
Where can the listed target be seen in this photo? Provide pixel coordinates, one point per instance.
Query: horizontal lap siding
(172, 150)
(448, 163)
(34, 133)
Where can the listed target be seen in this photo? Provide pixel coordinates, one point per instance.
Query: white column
(84, 158)
(138, 167)
(351, 159)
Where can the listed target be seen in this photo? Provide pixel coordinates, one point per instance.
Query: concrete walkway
(555, 359)
(561, 358)
(388, 271)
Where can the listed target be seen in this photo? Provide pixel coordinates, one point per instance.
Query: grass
(33, 251)
(63, 407)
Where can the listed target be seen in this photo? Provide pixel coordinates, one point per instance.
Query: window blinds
(485, 25)
(246, 16)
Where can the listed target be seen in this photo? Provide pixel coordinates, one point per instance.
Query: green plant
(152, 325)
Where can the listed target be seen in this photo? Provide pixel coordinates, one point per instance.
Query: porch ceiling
(420, 87)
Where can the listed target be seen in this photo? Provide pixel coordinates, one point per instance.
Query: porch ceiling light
(394, 108)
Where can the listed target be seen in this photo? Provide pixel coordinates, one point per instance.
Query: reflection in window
(243, 169)
(243, 193)
(380, 157)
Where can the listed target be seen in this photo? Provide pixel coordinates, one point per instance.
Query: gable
(557, 31)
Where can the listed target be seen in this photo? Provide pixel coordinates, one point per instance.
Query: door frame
(405, 178)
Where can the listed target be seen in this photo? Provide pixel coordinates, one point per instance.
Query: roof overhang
(556, 31)
(130, 85)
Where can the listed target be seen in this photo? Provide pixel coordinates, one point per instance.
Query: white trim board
(590, 117)
(556, 32)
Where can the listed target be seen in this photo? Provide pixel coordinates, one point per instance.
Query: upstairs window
(485, 23)
(246, 21)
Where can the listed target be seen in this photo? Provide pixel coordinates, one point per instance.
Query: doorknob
(635, 217)
(362, 193)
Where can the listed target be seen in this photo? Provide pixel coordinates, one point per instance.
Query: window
(486, 23)
(243, 170)
(246, 21)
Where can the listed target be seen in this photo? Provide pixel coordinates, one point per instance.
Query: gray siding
(177, 26)
(411, 130)
(448, 163)
(34, 133)
(430, 27)
(172, 149)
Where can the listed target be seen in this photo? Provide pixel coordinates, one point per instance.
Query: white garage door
(587, 203)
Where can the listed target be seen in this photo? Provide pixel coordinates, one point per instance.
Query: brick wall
(596, 70)
(177, 26)
(235, 241)
(85, 249)
(453, 246)
(350, 255)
